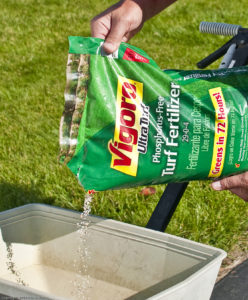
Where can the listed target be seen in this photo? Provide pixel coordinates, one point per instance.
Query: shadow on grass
(13, 195)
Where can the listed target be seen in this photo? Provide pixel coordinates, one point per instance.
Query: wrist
(150, 8)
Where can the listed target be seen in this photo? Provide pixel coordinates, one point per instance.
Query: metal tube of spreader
(228, 57)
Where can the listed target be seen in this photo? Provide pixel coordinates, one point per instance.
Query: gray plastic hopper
(40, 258)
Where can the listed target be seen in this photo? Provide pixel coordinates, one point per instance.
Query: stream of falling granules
(82, 283)
(11, 265)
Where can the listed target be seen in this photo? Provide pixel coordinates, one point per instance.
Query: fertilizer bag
(128, 123)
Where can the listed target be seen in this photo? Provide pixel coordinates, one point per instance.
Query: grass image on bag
(127, 123)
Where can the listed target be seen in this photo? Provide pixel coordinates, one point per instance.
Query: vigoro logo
(124, 148)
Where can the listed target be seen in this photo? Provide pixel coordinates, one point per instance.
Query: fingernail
(216, 185)
(108, 47)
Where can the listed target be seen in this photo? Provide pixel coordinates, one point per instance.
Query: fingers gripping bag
(127, 123)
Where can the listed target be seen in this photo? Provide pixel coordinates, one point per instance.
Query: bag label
(124, 147)
(134, 56)
(220, 136)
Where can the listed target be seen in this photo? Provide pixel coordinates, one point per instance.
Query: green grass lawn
(33, 56)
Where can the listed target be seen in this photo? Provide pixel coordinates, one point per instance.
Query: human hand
(123, 20)
(237, 184)
(117, 24)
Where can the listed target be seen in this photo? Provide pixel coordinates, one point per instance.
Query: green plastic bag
(128, 123)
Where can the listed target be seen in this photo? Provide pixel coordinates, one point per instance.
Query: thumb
(116, 35)
(232, 182)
